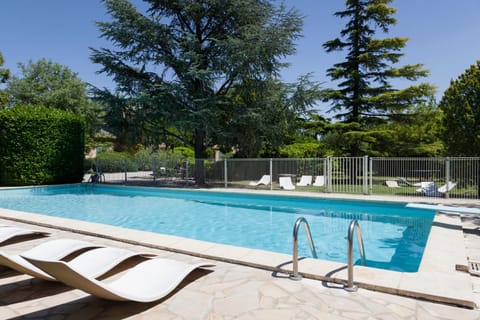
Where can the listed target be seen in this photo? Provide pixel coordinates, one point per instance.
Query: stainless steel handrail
(295, 275)
(354, 226)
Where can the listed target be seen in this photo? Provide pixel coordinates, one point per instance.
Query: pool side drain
(474, 268)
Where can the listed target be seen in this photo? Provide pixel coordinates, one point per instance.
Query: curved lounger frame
(7, 233)
(52, 250)
(146, 282)
(95, 263)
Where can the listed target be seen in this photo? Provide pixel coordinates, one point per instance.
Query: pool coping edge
(398, 283)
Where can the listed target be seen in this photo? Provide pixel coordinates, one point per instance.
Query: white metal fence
(423, 177)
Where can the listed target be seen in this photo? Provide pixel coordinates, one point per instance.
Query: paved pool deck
(254, 284)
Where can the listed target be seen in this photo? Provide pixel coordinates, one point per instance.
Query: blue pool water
(394, 236)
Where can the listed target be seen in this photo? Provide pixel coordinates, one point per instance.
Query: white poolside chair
(8, 233)
(430, 188)
(286, 183)
(319, 181)
(447, 187)
(265, 180)
(146, 282)
(52, 250)
(392, 184)
(305, 181)
(94, 263)
(408, 183)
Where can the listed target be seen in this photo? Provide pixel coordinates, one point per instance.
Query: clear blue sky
(444, 36)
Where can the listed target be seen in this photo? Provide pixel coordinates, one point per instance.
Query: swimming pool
(394, 236)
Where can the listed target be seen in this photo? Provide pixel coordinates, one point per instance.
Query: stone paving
(471, 232)
(226, 291)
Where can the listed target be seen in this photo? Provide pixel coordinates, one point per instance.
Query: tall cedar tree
(185, 57)
(365, 96)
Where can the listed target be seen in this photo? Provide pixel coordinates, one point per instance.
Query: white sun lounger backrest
(286, 183)
(7, 233)
(305, 181)
(447, 187)
(392, 184)
(265, 179)
(319, 181)
(50, 250)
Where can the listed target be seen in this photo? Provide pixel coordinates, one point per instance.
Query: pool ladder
(295, 275)
(353, 227)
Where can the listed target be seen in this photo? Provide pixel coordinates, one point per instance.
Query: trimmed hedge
(40, 145)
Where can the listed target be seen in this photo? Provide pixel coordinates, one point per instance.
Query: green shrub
(143, 159)
(113, 162)
(40, 145)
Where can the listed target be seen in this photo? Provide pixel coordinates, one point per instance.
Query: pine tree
(365, 96)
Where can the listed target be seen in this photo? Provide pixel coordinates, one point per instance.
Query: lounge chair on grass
(305, 181)
(265, 179)
(8, 233)
(392, 184)
(408, 183)
(146, 282)
(286, 183)
(430, 188)
(319, 181)
(447, 187)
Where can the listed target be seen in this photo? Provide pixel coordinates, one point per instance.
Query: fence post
(271, 174)
(329, 173)
(447, 176)
(370, 174)
(225, 172)
(365, 175)
(125, 170)
(154, 170)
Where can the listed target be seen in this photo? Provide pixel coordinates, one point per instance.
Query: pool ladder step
(295, 275)
(353, 227)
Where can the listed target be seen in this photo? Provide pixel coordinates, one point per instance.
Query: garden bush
(111, 162)
(40, 145)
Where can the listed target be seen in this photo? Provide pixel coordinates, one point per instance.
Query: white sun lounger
(286, 183)
(319, 181)
(147, 281)
(430, 188)
(305, 181)
(447, 187)
(96, 262)
(51, 250)
(265, 179)
(392, 184)
(7, 233)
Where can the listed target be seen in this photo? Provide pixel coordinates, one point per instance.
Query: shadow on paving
(29, 289)
(91, 307)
